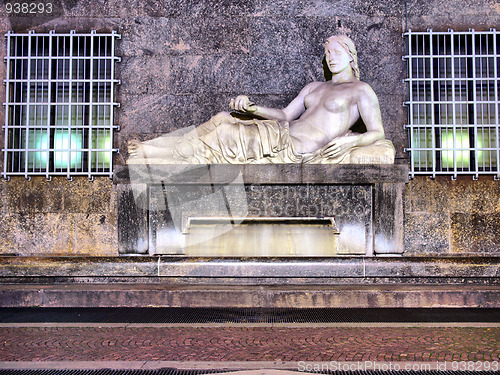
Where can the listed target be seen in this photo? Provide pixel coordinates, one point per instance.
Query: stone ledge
(261, 174)
(341, 296)
(275, 268)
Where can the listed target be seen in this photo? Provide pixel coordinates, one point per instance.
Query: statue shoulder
(364, 91)
(312, 86)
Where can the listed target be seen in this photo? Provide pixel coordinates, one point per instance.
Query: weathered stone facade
(181, 63)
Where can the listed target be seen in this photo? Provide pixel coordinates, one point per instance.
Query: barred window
(453, 102)
(59, 104)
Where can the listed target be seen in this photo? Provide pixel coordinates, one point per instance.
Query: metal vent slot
(246, 315)
(171, 371)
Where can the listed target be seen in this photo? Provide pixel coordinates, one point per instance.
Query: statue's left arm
(369, 111)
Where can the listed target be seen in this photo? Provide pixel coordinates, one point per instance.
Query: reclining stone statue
(314, 128)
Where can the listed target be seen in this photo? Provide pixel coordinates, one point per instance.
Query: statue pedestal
(156, 203)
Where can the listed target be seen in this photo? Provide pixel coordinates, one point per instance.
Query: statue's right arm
(293, 111)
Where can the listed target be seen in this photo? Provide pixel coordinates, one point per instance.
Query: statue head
(345, 42)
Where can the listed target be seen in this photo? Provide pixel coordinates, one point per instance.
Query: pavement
(248, 346)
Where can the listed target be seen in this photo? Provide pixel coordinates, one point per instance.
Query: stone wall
(445, 217)
(58, 217)
(181, 63)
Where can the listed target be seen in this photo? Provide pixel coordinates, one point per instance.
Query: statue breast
(335, 103)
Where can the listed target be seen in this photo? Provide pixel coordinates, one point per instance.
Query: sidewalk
(245, 346)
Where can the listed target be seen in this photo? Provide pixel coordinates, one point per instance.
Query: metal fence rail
(453, 102)
(59, 104)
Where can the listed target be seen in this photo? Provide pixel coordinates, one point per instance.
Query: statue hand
(338, 146)
(242, 104)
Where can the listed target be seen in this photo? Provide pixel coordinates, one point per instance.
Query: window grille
(453, 102)
(59, 104)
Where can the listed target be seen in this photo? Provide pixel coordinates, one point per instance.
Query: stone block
(72, 8)
(378, 41)
(231, 296)
(464, 200)
(132, 219)
(58, 195)
(445, 195)
(4, 25)
(44, 234)
(189, 35)
(244, 74)
(85, 9)
(171, 206)
(379, 44)
(103, 195)
(278, 268)
(145, 75)
(394, 8)
(351, 206)
(393, 118)
(324, 8)
(165, 227)
(388, 218)
(34, 196)
(377, 38)
(208, 8)
(475, 233)
(84, 196)
(267, 174)
(96, 234)
(64, 24)
(20, 298)
(442, 191)
(79, 267)
(469, 196)
(4, 208)
(283, 270)
(61, 8)
(459, 21)
(429, 267)
(161, 114)
(452, 9)
(427, 234)
(122, 8)
(291, 36)
(420, 195)
(8, 227)
(274, 38)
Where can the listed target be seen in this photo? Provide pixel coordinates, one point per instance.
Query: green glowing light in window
(486, 140)
(65, 141)
(101, 140)
(38, 142)
(458, 142)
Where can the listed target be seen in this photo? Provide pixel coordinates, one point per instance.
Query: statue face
(337, 57)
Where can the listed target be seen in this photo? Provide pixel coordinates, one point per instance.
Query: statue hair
(349, 46)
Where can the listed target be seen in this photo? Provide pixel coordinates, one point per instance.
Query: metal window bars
(59, 104)
(453, 102)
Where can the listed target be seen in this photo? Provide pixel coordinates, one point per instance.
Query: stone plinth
(231, 296)
(144, 281)
(155, 202)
